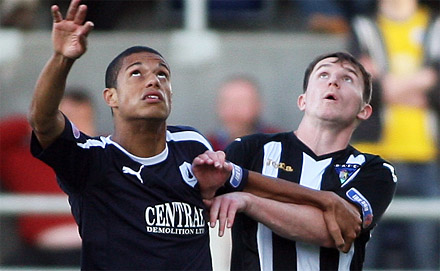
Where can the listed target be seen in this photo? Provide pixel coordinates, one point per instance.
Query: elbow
(36, 121)
(32, 118)
(43, 124)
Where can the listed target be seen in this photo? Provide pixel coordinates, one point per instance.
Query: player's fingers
(72, 10)
(232, 211)
(228, 166)
(223, 217)
(335, 233)
(222, 159)
(197, 161)
(212, 155)
(202, 159)
(56, 14)
(80, 15)
(219, 159)
(214, 212)
(347, 245)
(87, 28)
(221, 156)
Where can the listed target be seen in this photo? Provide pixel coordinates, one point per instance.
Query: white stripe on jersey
(93, 143)
(142, 160)
(307, 256)
(177, 136)
(312, 170)
(345, 259)
(272, 154)
(188, 135)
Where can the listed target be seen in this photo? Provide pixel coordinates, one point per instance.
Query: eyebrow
(350, 70)
(161, 64)
(133, 64)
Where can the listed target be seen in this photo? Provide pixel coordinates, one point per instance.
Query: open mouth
(330, 97)
(152, 96)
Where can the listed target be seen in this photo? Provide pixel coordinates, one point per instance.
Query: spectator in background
(18, 13)
(332, 16)
(47, 240)
(239, 109)
(399, 47)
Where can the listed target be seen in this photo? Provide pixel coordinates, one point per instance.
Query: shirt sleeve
(71, 162)
(372, 189)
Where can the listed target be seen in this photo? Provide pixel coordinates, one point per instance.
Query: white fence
(13, 204)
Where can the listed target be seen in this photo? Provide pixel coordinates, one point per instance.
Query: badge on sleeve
(367, 213)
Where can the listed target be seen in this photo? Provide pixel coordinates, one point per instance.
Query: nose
(333, 80)
(152, 81)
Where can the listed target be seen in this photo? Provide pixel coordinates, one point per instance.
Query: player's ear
(110, 97)
(365, 112)
(301, 102)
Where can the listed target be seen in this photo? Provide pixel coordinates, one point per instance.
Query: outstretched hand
(211, 170)
(224, 208)
(69, 35)
(343, 221)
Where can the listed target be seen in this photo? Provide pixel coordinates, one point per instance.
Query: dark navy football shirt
(133, 213)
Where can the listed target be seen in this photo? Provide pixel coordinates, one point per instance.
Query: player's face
(334, 92)
(144, 87)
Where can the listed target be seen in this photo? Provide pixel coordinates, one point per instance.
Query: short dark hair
(342, 57)
(113, 68)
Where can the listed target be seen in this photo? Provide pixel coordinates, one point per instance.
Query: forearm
(410, 89)
(285, 191)
(296, 222)
(44, 116)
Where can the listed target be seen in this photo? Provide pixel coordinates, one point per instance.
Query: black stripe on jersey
(327, 258)
(284, 253)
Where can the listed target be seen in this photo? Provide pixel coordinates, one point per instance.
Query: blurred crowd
(396, 40)
(331, 16)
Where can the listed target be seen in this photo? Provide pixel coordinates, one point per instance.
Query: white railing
(13, 204)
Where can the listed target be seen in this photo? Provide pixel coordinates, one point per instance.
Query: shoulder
(252, 144)
(376, 164)
(263, 138)
(186, 134)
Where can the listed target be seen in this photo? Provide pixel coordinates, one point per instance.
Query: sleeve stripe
(188, 136)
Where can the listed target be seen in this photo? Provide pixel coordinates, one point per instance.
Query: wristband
(238, 179)
(367, 212)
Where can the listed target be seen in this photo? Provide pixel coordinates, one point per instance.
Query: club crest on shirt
(187, 174)
(344, 171)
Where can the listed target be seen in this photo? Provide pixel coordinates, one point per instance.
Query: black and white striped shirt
(365, 179)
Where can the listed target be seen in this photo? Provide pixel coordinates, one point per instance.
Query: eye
(136, 73)
(162, 75)
(348, 79)
(323, 75)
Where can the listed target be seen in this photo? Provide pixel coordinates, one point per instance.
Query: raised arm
(69, 43)
(342, 219)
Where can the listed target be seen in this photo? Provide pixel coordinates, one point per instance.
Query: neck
(142, 138)
(323, 139)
